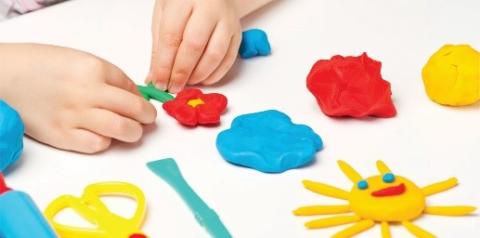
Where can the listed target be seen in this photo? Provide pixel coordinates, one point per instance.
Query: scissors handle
(95, 191)
(66, 231)
(91, 207)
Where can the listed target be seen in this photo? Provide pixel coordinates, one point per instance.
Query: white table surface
(425, 142)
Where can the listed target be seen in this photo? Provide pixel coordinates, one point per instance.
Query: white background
(425, 142)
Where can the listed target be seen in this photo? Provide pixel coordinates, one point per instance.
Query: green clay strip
(168, 170)
(150, 92)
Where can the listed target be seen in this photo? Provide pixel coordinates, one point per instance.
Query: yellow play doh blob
(382, 199)
(452, 75)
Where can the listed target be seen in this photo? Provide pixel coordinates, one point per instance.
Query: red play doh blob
(351, 86)
(191, 107)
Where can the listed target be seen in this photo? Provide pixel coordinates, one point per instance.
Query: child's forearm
(245, 7)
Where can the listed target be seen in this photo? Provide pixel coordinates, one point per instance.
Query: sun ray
(321, 210)
(358, 227)
(331, 221)
(440, 186)
(350, 172)
(450, 210)
(382, 167)
(417, 231)
(326, 190)
(385, 228)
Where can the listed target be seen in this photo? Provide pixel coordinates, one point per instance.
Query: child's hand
(70, 99)
(194, 41)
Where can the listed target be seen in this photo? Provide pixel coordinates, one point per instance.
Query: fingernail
(175, 88)
(161, 86)
(193, 81)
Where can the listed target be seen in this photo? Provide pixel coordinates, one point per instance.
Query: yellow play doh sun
(383, 199)
(452, 75)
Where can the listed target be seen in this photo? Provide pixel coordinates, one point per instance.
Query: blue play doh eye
(388, 178)
(362, 185)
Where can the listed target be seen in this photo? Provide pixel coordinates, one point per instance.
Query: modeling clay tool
(91, 207)
(20, 217)
(168, 170)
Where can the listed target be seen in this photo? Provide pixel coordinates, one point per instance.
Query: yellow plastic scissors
(91, 207)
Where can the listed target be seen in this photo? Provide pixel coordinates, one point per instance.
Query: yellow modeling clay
(383, 199)
(452, 75)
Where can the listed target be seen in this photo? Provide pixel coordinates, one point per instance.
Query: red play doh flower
(351, 86)
(191, 107)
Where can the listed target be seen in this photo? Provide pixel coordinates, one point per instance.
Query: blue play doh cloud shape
(11, 136)
(254, 43)
(269, 142)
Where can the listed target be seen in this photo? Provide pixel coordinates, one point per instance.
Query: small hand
(194, 41)
(71, 99)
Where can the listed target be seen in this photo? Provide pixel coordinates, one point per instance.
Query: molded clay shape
(269, 142)
(384, 199)
(452, 76)
(191, 107)
(351, 86)
(254, 43)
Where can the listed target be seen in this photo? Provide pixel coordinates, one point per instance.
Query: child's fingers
(172, 26)
(212, 57)
(195, 38)
(112, 125)
(117, 78)
(85, 141)
(125, 104)
(157, 13)
(227, 62)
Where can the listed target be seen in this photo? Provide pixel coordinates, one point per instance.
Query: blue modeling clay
(11, 136)
(269, 142)
(254, 43)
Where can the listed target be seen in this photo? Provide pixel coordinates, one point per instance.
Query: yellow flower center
(195, 102)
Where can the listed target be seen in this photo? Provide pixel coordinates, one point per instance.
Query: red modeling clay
(3, 185)
(390, 191)
(137, 236)
(351, 86)
(191, 107)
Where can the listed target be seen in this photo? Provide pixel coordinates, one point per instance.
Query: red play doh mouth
(137, 236)
(390, 191)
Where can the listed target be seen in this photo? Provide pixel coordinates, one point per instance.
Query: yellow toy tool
(91, 207)
(383, 199)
